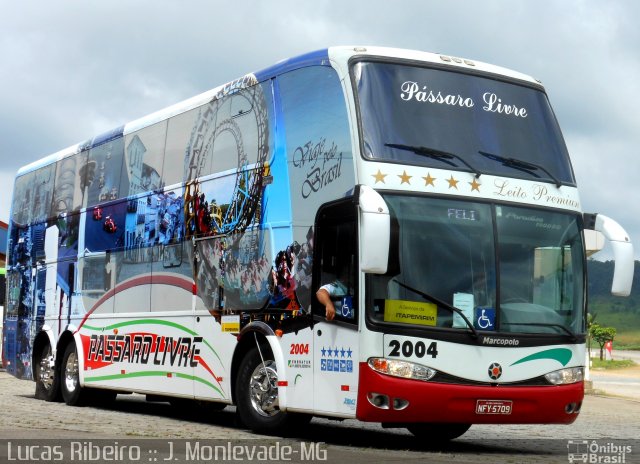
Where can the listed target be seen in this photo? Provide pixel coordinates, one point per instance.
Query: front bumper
(441, 402)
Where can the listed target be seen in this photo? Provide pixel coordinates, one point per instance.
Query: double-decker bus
(179, 255)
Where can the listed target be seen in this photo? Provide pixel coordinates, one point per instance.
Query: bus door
(336, 342)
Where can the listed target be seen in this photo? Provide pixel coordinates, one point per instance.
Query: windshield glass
(496, 127)
(523, 275)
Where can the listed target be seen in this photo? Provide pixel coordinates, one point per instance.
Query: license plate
(494, 406)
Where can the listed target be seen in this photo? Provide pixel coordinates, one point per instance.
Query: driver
(326, 292)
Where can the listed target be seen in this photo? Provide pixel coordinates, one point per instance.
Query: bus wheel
(72, 393)
(257, 393)
(47, 380)
(438, 432)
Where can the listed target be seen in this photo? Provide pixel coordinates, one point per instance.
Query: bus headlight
(404, 369)
(565, 376)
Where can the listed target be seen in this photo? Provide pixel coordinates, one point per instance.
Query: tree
(602, 335)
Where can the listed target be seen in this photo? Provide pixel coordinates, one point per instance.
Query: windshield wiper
(439, 155)
(542, 324)
(520, 165)
(439, 302)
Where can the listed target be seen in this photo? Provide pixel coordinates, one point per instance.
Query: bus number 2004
(408, 349)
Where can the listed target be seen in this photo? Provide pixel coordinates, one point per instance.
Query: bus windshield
(522, 275)
(450, 120)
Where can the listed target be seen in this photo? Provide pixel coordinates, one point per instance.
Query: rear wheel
(46, 377)
(438, 432)
(72, 392)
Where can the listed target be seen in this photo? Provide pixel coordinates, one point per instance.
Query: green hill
(618, 312)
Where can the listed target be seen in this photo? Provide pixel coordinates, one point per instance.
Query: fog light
(378, 400)
(569, 408)
(400, 403)
(578, 407)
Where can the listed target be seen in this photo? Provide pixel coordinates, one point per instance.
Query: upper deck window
(451, 120)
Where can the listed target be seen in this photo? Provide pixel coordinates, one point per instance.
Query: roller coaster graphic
(232, 221)
(244, 207)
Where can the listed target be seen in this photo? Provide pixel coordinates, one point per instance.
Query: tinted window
(461, 114)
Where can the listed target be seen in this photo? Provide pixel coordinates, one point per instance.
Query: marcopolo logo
(500, 341)
(495, 371)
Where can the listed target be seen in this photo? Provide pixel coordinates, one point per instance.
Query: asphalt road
(155, 427)
(619, 382)
(626, 354)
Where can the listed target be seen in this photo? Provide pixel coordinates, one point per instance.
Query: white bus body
(179, 255)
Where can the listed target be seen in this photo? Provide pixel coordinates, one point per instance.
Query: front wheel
(438, 432)
(46, 377)
(257, 394)
(72, 392)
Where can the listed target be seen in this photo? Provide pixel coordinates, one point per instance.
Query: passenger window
(69, 188)
(104, 171)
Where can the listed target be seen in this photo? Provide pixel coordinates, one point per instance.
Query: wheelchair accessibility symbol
(347, 307)
(485, 318)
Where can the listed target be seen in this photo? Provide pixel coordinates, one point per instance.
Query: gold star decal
(453, 183)
(404, 178)
(475, 185)
(379, 176)
(429, 180)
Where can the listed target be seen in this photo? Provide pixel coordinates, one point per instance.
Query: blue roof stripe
(318, 57)
(107, 136)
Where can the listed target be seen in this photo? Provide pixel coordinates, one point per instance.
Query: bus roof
(338, 56)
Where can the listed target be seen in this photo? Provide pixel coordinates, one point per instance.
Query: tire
(257, 394)
(46, 376)
(72, 392)
(432, 433)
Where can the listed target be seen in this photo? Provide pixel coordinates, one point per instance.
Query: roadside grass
(627, 325)
(627, 340)
(611, 364)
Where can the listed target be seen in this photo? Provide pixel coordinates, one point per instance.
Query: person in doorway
(326, 292)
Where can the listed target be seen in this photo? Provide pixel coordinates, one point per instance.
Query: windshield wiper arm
(439, 302)
(440, 155)
(542, 324)
(525, 166)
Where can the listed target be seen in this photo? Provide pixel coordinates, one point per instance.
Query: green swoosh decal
(152, 374)
(152, 321)
(562, 355)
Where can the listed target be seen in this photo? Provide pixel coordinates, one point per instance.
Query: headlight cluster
(404, 369)
(566, 376)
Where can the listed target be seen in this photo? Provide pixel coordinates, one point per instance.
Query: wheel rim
(71, 372)
(263, 388)
(46, 371)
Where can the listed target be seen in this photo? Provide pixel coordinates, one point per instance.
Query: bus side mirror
(622, 253)
(374, 231)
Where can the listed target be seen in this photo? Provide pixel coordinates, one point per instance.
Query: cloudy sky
(74, 69)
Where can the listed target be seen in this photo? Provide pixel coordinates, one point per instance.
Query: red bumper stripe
(439, 402)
